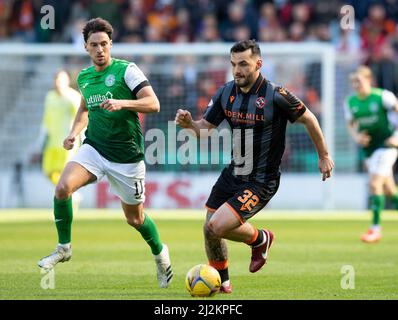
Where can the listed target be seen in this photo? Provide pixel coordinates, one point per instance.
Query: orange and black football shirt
(258, 121)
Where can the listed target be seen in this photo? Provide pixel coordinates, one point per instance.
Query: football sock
(63, 214)
(377, 205)
(150, 234)
(259, 239)
(224, 275)
(222, 268)
(394, 200)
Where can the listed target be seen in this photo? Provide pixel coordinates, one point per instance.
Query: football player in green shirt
(368, 114)
(113, 92)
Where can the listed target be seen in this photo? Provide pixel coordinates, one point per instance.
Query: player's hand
(183, 118)
(363, 139)
(326, 166)
(111, 105)
(69, 142)
(391, 142)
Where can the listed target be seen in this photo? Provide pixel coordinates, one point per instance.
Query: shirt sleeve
(214, 112)
(292, 106)
(135, 78)
(389, 99)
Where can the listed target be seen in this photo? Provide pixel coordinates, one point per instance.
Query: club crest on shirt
(110, 80)
(260, 102)
(373, 107)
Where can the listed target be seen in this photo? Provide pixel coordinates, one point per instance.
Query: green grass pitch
(111, 261)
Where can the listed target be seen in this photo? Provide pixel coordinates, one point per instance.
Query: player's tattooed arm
(216, 248)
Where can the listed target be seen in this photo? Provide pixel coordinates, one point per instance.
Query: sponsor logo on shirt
(242, 117)
(96, 99)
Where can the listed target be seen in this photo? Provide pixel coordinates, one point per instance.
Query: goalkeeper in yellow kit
(60, 108)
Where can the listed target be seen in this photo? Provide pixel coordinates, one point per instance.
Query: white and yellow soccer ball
(203, 281)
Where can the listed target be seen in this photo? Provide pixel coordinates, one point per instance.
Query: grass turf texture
(111, 261)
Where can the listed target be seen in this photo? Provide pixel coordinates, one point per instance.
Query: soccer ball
(203, 281)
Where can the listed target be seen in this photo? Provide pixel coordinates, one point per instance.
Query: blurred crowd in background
(205, 20)
(136, 21)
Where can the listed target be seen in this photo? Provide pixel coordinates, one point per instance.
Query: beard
(244, 82)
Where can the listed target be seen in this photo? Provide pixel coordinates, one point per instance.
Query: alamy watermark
(204, 150)
(48, 279)
(348, 280)
(347, 21)
(48, 19)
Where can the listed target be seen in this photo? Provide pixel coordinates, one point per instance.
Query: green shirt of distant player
(371, 114)
(117, 136)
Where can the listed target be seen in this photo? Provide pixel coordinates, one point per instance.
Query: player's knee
(214, 229)
(63, 191)
(135, 221)
(390, 191)
(207, 231)
(376, 187)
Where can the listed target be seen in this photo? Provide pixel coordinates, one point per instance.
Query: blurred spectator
(301, 13)
(21, 21)
(107, 9)
(268, 16)
(5, 11)
(153, 34)
(375, 30)
(345, 41)
(297, 32)
(131, 30)
(182, 29)
(236, 19)
(241, 32)
(325, 11)
(385, 70)
(208, 21)
(208, 29)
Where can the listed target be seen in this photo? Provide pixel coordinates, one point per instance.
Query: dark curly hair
(97, 25)
(245, 45)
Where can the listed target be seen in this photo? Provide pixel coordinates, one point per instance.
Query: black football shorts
(245, 199)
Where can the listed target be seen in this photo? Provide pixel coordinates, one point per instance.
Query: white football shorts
(381, 162)
(127, 180)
